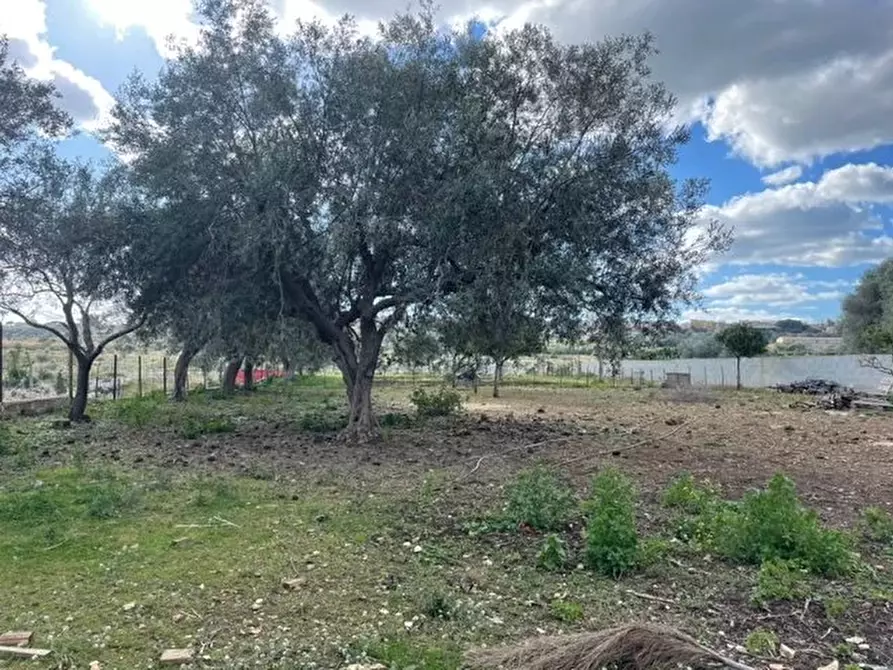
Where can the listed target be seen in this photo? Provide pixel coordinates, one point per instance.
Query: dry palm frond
(635, 646)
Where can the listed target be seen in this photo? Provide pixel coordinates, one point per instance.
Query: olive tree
(371, 175)
(64, 250)
(742, 341)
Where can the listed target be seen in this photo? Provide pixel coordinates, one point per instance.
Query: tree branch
(121, 333)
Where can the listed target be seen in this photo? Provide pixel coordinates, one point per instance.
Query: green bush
(553, 555)
(541, 499)
(780, 580)
(395, 420)
(876, 525)
(109, 501)
(612, 543)
(773, 524)
(567, 611)
(443, 402)
(686, 494)
(436, 605)
(138, 412)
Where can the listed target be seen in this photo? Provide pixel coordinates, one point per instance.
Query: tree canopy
(867, 323)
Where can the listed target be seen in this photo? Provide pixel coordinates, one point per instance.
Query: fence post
(705, 375)
(139, 376)
(114, 376)
(70, 376)
(164, 375)
(1, 362)
(722, 375)
(652, 376)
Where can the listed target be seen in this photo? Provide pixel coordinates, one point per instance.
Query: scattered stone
(293, 584)
(95, 665)
(855, 640)
(417, 549)
(363, 666)
(777, 666)
(257, 604)
(833, 665)
(176, 656)
(129, 606)
(16, 638)
(786, 651)
(178, 617)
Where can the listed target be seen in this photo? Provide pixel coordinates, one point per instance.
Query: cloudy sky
(790, 101)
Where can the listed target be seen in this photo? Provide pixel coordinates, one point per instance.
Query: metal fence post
(114, 376)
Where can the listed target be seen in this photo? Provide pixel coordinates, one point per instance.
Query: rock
(257, 604)
(833, 665)
(363, 666)
(855, 640)
(293, 584)
(129, 606)
(786, 651)
(94, 665)
(176, 656)
(777, 666)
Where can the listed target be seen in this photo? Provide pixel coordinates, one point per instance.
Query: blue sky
(790, 105)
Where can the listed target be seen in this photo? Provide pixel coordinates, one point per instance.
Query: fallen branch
(646, 596)
(638, 646)
(226, 522)
(506, 452)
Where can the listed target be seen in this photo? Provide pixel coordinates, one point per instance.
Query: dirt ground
(438, 475)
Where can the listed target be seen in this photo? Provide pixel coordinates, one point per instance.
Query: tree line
(316, 193)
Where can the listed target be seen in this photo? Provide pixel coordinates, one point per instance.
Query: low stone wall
(33, 407)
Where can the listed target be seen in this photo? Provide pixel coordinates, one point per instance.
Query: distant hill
(22, 331)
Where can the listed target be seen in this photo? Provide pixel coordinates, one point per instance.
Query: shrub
(612, 544)
(835, 607)
(395, 420)
(773, 524)
(138, 412)
(539, 498)
(761, 642)
(553, 555)
(684, 493)
(443, 402)
(876, 525)
(566, 610)
(780, 580)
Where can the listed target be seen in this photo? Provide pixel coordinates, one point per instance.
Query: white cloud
(771, 289)
(161, 19)
(83, 96)
(790, 80)
(829, 223)
(785, 176)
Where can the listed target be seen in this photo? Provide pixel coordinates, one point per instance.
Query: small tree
(63, 244)
(742, 340)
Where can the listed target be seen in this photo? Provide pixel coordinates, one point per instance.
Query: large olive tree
(371, 175)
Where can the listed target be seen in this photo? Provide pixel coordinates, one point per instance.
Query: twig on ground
(635, 445)
(826, 634)
(506, 452)
(226, 522)
(805, 608)
(647, 596)
(688, 568)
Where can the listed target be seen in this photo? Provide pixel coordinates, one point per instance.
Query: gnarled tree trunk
(181, 370)
(229, 374)
(497, 377)
(358, 365)
(248, 369)
(77, 411)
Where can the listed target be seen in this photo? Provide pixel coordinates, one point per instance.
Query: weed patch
(553, 555)
(403, 655)
(773, 524)
(443, 402)
(876, 525)
(686, 494)
(541, 499)
(567, 611)
(612, 543)
(761, 642)
(193, 427)
(780, 580)
(321, 422)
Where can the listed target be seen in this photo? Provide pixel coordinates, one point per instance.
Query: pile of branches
(831, 395)
(814, 387)
(630, 647)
